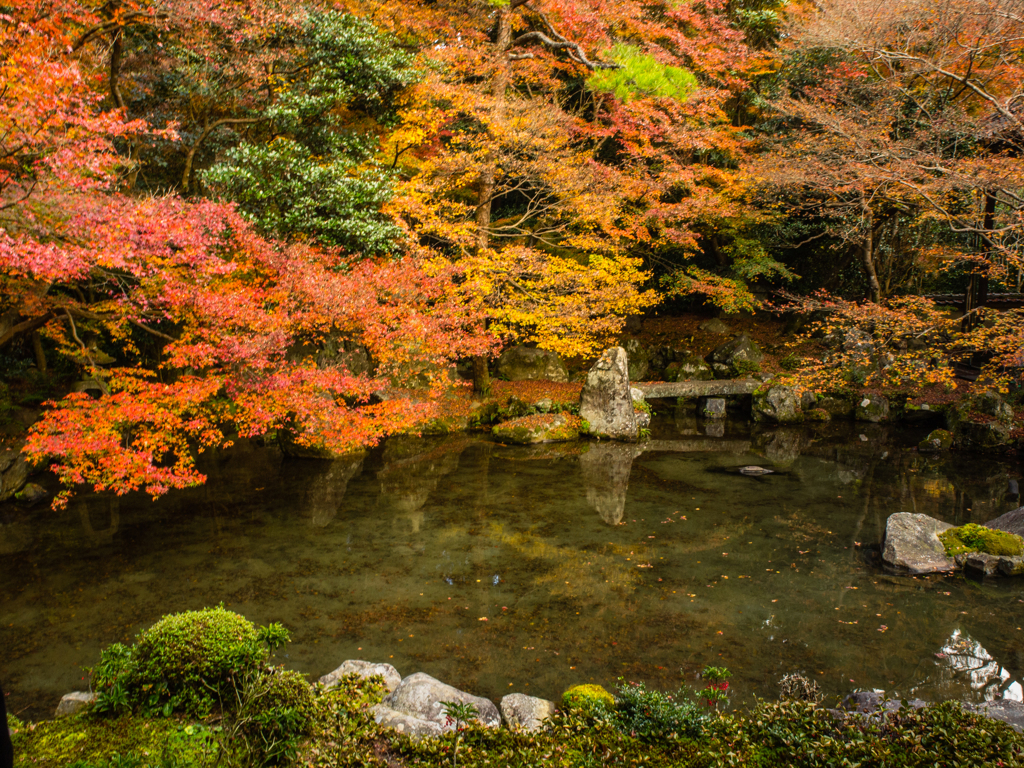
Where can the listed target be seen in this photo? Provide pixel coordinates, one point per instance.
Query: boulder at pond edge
(606, 404)
(912, 544)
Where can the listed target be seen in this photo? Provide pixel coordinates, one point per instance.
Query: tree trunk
(39, 352)
(485, 196)
(868, 255)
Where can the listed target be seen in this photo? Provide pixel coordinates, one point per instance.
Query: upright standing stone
(606, 404)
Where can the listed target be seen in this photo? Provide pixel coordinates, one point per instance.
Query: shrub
(654, 715)
(276, 707)
(187, 662)
(588, 698)
(978, 538)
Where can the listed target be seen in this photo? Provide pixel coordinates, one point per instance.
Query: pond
(501, 569)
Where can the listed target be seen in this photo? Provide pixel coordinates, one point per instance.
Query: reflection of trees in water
(325, 492)
(88, 511)
(963, 656)
(412, 469)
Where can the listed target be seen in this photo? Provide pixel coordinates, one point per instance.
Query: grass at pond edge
(772, 734)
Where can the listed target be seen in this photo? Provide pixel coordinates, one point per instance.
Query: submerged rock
(527, 363)
(912, 543)
(606, 404)
(423, 697)
(363, 669)
(526, 712)
(753, 471)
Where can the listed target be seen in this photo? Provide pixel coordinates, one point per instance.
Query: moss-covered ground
(772, 735)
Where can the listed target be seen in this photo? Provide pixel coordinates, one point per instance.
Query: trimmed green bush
(189, 662)
(587, 698)
(651, 715)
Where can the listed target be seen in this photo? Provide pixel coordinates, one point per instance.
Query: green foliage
(799, 735)
(306, 176)
(186, 662)
(459, 714)
(651, 715)
(978, 538)
(588, 698)
(642, 76)
(275, 709)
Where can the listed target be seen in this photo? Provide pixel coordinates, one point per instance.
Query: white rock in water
(752, 470)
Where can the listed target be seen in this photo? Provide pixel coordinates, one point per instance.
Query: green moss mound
(587, 697)
(191, 662)
(978, 538)
(194, 656)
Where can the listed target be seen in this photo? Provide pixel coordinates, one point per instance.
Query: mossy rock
(978, 538)
(937, 440)
(539, 428)
(587, 698)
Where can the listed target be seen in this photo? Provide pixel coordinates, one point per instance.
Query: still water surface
(502, 569)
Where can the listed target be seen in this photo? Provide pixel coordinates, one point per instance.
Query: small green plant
(645, 433)
(458, 714)
(716, 688)
(273, 709)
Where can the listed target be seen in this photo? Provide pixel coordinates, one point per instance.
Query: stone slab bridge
(715, 388)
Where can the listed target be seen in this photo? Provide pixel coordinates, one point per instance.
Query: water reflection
(588, 561)
(966, 656)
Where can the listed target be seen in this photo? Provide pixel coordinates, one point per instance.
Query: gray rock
(527, 363)
(715, 326)
(937, 440)
(912, 544)
(415, 728)
(637, 395)
(754, 471)
(639, 359)
(1011, 522)
(1004, 710)
(526, 712)
(989, 432)
(691, 368)
(711, 407)
(739, 355)
(873, 408)
(1011, 566)
(14, 471)
(421, 696)
(643, 419)
(31, 494)
(777, 404)
(981, 564)
(73, 702)
(363, 669)
(837, 407)
(606, 404)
